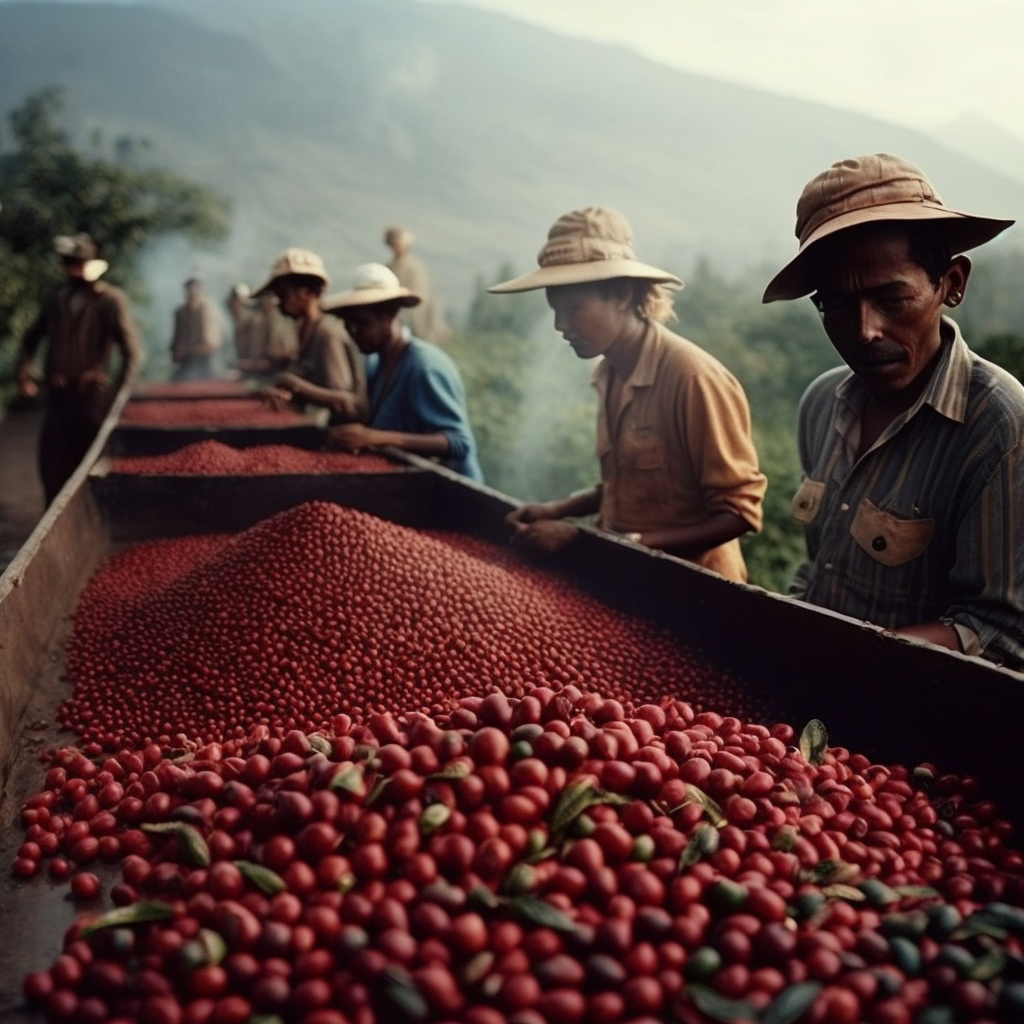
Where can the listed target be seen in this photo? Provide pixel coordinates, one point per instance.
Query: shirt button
(845, 507)
(879, 544)
(829, 566)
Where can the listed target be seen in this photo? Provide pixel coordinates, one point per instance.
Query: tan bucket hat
(81, 247)
(592, 244)
(877, 187)
(372, 283)
(295, 261)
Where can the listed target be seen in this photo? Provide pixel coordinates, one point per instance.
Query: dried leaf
(838, 891)
(320, 743)
(134, 913)
(451, 772)
(376, 789)
(922, 892)
(826, 871)
(813, 742)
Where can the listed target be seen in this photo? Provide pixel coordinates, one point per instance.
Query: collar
(646, 370)
(947, 390)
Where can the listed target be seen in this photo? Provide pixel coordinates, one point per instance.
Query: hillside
(327, 119)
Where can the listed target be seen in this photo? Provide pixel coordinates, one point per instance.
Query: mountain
(326, 120)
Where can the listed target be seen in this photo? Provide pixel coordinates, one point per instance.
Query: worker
(678, 467)
(85, 320)
(197, 334)
(327, 370)
(425, 319)
(265, 341)
(417, 399)
(912, 452)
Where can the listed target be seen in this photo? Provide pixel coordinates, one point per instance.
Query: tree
(49, 188)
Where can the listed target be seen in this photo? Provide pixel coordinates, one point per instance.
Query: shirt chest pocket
(888, 539)
(807, 501)
(642, 449)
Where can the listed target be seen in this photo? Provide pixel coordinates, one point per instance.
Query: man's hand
(276, 398)
(291, 382)
(520, 518)
(545, 536)
(93, 380)
(28, 386)
(353, 437)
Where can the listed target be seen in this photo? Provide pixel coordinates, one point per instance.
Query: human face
(371, 328)
(293, 297)
(590, 321)
(881, 311)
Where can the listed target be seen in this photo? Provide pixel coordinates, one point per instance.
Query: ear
(954, 280)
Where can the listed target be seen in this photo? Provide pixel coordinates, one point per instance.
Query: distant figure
(426, 319)
(197, 334)
(265, 339)
(84, 320)
(328, 370)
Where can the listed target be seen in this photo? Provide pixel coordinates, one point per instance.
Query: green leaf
(433, 817)
(791, 1003)
(192, 844)
(538, 911)
(376, 789)
(401, 992)
(814, 742)
(572, 802)
(826, 871)
(989, 966)
(133, 913)
(696, 795)
(350, 780)
(702, 843)
(711, 1004)
(785, 839)
(263, 878)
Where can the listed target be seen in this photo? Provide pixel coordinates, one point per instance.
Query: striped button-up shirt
(928, 525)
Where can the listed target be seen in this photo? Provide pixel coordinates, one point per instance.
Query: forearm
(692, 540)
(581, 503)
(429, 445)
(937, 633)
(347, 405)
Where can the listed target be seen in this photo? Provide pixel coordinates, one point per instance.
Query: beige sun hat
(878, 187)
(81, 247)
(295, 261)
(372, 283)
(592, 244)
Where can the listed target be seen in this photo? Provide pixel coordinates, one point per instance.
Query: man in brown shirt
(678, 467)
(85, 319)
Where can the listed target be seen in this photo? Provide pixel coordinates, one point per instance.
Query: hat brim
(93, 270)
(590, 272)
(269, 286)
(964, 230)
(369, 297)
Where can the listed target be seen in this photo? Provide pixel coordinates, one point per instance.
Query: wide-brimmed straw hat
(372, 283)
(81, 247)
(295, 261)
(593, 244)
(878, 187)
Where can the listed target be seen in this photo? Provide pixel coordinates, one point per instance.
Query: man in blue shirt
(417, 400)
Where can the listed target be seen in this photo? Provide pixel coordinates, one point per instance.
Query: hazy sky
(915, 62)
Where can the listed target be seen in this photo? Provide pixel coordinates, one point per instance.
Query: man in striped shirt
(912, 453)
